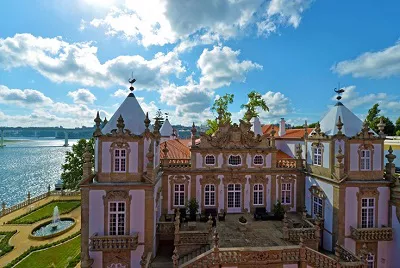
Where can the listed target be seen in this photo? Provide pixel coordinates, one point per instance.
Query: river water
(30, 165)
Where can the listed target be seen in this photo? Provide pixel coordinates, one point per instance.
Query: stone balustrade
(166, 230)
(345, 255)
(372, 234)
(294, 234)
(113, 242)
(4, 211)
(193, 237)
(286, 163)
(176, 163)
(267, 256)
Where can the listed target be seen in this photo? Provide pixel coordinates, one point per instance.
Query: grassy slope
(47, 211)
(58, 256)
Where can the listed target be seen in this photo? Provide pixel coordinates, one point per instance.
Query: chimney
(282, 127)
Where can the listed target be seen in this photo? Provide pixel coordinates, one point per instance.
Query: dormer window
(365, 160)
(210, 160)
(258, 160)
(119, 160)
(235, 160)
(317, 155)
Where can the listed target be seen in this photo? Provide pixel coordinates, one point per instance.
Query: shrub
(279, 210)
(193, 207)
(242, 219)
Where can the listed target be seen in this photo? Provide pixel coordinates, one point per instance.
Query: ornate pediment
(233, 137)
(365, 133)
(317, 191)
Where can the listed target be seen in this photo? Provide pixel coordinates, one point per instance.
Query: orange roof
(290, 133)
(282, 155)
(177, 149)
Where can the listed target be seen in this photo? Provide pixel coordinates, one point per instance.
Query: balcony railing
(111, 242)
(176, 163)
(286, 163)
(372, 234)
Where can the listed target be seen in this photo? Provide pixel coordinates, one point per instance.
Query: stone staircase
(164, 255)
(185, 258)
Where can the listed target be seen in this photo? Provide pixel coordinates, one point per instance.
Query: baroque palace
(341, 201)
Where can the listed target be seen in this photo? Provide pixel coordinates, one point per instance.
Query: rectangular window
(317, 160)
(317, 206)
(367, 212)
(119, 160)
(209, 195)
(285, 193)
(365, 160)
(258, 194)
(179, 195)
(116, 216)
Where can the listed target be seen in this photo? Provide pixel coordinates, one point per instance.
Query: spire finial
(97, 120)
(165, 150)
(120, 123)
(131, 81)
(147, 121)
(339, 91)
(339, 125)
(381, 127)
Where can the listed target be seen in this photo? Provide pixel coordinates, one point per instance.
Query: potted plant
(242, 223)
(193, 207)
(279, 211)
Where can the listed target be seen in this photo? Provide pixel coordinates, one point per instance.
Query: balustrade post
(29, 197)
(177, 223)
(143, 260)
(48, 190)
(209, 224)
(285, 227)
(303, 255)
(175, 258)
(3, 208)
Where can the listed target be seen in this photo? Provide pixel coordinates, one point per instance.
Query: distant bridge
(35, 130)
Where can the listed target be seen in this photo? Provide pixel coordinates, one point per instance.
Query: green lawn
(46, 211)
(58, 256)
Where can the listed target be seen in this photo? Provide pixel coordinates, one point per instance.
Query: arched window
(209, 195)
(258, 197)
(365, 160)
(119, 160)
(210, 160)
(235, 160)
(258, 160)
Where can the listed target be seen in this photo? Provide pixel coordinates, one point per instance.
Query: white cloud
(220, 66)
(23, 98)
(352, 99)
(120, 93)
(380, 64)
(82, 96)
(61, 61)
(160, 22)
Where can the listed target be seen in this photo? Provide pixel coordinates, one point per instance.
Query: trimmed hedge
(33, 249)
(74, 262)
(20, 219)
(4, 246)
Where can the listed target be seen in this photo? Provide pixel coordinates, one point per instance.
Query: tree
(221, 107)
(73, 165)
(397, 127)
(372, 115)
(255, 101)
(389, 128)
(159, 116)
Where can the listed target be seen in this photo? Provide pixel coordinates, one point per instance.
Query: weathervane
(131, 81)
(339, 91)
(166, 115)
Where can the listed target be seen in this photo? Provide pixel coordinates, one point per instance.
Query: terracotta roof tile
(290, 133)
(177, 149)
(282, 155)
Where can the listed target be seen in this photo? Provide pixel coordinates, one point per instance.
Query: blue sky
(61, 61)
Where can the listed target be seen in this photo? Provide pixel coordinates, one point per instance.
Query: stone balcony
(372, 234)
(287, 163)
(113, 242)
(176, 163)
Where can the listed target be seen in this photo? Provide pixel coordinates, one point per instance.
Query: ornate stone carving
(233, 137)
(210, 179)
(317, 191)
(117, 259)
